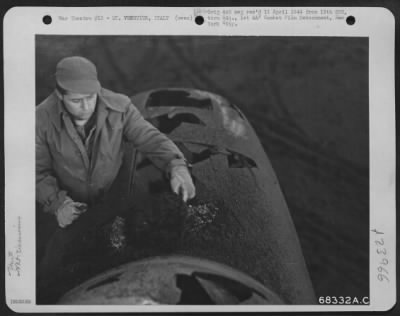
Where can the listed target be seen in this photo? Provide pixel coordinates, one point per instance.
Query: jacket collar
(106, 102)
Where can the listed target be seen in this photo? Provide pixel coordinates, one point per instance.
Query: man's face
(80, 106)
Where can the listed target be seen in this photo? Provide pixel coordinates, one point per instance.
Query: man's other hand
(69, 211)
(181, 182)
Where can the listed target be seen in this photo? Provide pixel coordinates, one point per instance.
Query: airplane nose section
(177, 280)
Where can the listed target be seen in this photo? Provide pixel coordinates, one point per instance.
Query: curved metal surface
(177, 280)
(239, 216)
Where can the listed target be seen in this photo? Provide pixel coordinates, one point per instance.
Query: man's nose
(85, 104)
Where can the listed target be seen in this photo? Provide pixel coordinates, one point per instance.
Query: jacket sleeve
(48, 194)
(151, 142)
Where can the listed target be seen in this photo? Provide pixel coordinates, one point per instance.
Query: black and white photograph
(203, 170)
(271, 159)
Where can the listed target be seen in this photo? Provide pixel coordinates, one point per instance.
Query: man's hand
(181, 182)
(69, 211)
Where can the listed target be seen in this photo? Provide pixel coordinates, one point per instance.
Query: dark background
(307, 99)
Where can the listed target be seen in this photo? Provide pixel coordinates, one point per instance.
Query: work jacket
(63, 167)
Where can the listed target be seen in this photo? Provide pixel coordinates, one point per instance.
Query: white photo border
(22, 24)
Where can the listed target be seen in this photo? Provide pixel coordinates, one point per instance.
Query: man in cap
(80, 133)
(80, 130)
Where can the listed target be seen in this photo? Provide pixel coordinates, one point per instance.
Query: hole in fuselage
(177, 98)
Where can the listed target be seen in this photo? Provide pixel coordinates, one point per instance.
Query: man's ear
(59, 95)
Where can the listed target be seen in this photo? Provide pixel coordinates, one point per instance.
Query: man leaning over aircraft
(80, 130)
